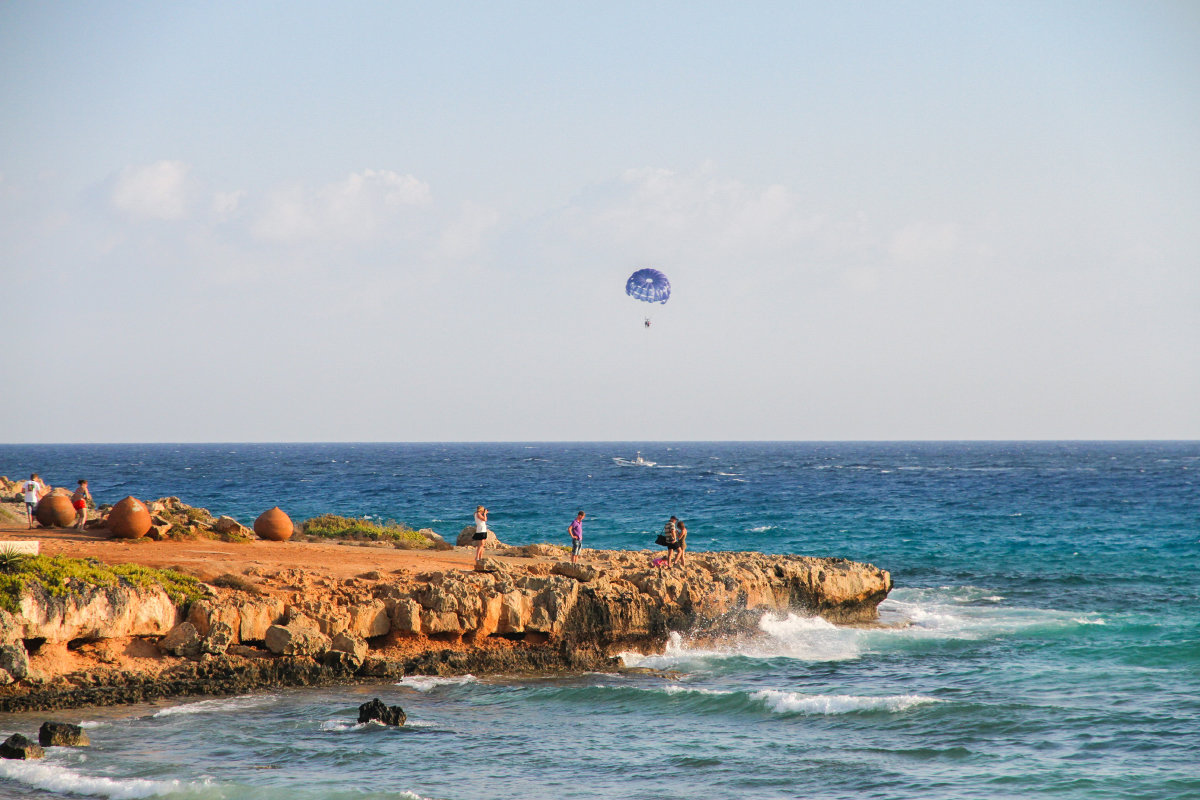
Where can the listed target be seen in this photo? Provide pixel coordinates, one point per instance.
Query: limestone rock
(62, 734)
(406, 617)
(488, 564)
(580, 572)
(256, 615)
(350, 644)
(466, 537)
(220, 637)
(296, 639)
(376, 710)
(369, 619)
(14, 662)
(92, 612)
(341, 661)
(183, 640)
(229, 525)
(17, 746)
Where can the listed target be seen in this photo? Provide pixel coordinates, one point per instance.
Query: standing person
(80, 501)
(481, 531)
(669, 537)
(681, 542)
(33, 489)
(575, 529)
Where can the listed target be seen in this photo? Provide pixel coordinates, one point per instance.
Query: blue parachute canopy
(648, 285)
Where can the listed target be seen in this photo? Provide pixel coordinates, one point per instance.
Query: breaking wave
(54, 778)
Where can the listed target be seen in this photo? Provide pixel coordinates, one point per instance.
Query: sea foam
(54, 778)
(217, 706)
(424, 683)
(798, 703)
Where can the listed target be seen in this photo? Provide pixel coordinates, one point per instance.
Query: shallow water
(1046, 640)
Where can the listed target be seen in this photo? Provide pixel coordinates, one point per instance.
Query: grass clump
(59, 575)
(331, 526)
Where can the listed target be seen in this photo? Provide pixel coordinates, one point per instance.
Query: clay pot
(55, 511)
(274, 525)
(129, 519)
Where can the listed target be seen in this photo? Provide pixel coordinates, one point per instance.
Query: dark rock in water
(376, 710)
(62, 734)
(17, 746)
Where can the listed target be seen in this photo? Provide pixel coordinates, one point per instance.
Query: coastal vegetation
(399, 535)
(59, 575)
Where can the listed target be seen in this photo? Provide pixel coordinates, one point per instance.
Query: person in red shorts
(80, 501)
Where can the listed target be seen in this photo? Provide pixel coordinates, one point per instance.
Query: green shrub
(60, 575)
(331, 526)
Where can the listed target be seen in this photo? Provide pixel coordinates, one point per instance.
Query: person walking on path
(575, 529)
(34, 489)
(80, 501)
(481, 531)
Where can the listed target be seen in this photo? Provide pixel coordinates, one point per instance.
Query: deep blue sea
(1047, 644)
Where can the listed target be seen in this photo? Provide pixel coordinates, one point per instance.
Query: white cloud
(357, 208)
(697, 209)
(922, 242)
(225, 204)
(154, 191)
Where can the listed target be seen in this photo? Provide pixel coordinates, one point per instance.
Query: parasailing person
(649, 286)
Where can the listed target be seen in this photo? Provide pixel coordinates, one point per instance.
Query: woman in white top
(481, 531)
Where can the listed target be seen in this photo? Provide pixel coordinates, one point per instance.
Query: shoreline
(303, 613)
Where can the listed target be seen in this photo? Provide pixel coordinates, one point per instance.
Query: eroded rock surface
(524, 612)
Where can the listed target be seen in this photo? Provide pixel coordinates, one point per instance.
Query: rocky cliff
(524, 611)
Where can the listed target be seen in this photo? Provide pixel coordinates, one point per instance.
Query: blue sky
(402, 221)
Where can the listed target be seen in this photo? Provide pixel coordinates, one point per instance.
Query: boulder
(183, 640)
(14, 663)
(406, 616)
(580, 572)
(55, 510)
(488, 564)
(347, 643)
(17, 746)
(62, 734)
(341, 661)
(129, 519)
(296, 639)
(229, 526)
(220, 637)
(274, 525)
(369, 619)
(466, 538)
(377, 711)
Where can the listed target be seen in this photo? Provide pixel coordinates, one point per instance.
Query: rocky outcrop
(510, 613)
(92, 612)
(376, 711)
(17, 746)
(62, 734)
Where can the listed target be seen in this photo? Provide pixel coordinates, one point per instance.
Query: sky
(402, 221)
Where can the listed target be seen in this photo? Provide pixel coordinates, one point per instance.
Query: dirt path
(208, 558)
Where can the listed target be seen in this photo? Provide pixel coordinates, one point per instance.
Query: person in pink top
(575, 529)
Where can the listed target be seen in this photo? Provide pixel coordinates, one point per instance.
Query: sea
(1042, 639)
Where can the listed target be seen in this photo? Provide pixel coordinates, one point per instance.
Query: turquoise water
(1047, 603)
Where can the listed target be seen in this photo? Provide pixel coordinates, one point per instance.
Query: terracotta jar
(129, 519)
(274, 525)
(55, 511)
